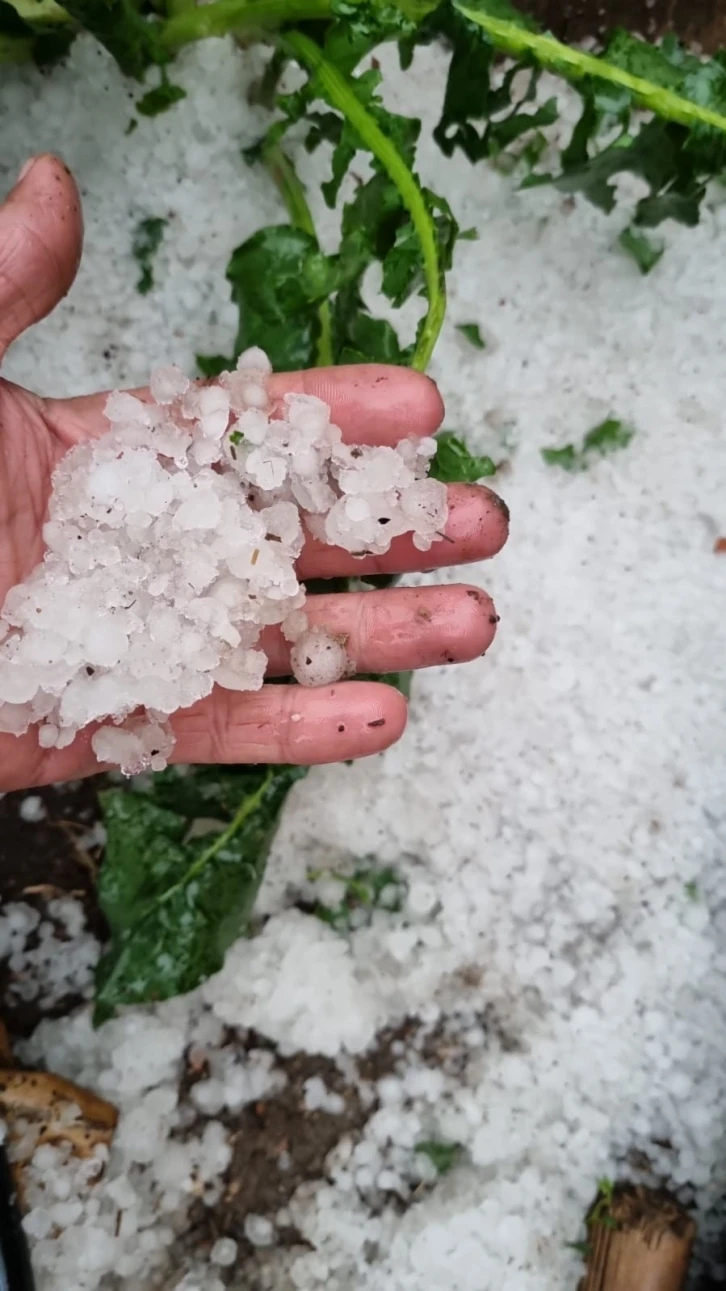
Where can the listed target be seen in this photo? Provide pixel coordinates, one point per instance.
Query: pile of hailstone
(171, 544)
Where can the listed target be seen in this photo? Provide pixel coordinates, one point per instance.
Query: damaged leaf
(175, 899)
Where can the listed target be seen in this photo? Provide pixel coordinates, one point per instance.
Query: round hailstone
(318, 658)
(259, 1231)
(32, 809)
(168, 384)
(224, 1252)
(295, 625)
(147, 746)
(172, 542)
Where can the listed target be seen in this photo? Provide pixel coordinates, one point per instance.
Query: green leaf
(681, 105)
(373, 17)
(691, 890)
(389, 138)
(670, 67)
(582, 1248)
(607, 437)
(659, 155)
(370, 887)
(472, 95)
(146, 242)
(256, 18)
(644, 251)
(389, 219)
(403, 131)
(210, 365)
(174, 901)
(683, 207)
(263, 92)
(160, 99)
(453, 463)
(442, 1155)
(361, 338)
(676, 153)
(132, 39)
(567, 457)
(643, 59)
(39, 13)
(472, 334)
(34, 29)
(279, 278)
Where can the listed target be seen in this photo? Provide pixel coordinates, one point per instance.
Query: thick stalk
(575, 64)
(223, 16)
(338, 91)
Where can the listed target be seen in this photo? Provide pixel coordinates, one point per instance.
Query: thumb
(41, 233)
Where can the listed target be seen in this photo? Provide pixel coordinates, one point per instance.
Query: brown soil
(39, 862)
(278, 1145)
(701, 22)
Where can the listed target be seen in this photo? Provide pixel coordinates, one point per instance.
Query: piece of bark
(48, 1102)
(641, 1240)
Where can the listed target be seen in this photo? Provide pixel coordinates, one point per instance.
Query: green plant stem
(223, 16)
(340, 94)
(293, 194)
(38, 13)
(246, 808)
(573, 64)
(16, 49)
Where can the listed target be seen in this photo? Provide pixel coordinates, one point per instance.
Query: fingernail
(498, 501)
(26, 170)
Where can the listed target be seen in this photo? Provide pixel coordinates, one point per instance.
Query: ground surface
(701, 22)
(551, 996)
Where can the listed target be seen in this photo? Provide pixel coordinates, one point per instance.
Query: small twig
(50, 891)
(84, 858)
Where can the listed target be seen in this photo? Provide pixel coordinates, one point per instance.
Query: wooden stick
(640, 1239)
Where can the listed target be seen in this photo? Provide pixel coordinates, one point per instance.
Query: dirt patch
(701, 22)
(44, 859)
(279, 1145)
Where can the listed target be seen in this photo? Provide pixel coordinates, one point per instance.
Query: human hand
(388, 631)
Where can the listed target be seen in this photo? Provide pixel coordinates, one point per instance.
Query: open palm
(392, 630)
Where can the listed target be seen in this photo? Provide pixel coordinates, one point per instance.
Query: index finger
(373, 403)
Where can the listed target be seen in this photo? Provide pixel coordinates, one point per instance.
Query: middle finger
(397, 629)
